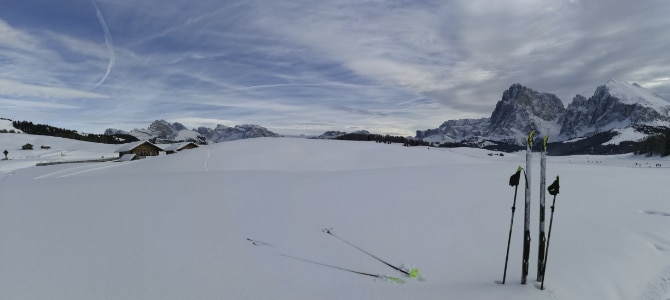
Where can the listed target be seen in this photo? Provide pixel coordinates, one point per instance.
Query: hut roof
(133, 145)
(176, 146)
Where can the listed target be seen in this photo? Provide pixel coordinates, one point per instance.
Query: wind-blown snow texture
(175, 226)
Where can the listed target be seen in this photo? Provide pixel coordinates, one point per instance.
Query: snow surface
(626, 134)
(7, 125)
(176, 226)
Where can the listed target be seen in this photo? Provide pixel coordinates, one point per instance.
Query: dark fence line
(75, 161)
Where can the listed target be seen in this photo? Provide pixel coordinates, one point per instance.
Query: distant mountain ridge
(614, 108)
(161, 131)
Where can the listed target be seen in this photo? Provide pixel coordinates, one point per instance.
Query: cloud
(15, 104)
(108, 42)
(18, 89)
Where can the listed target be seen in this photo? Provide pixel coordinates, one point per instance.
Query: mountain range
(616, 114)
(161, 131)
(615, 119)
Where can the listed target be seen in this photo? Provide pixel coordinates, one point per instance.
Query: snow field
(175, 227)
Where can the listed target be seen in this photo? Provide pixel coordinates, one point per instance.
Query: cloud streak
(108, 42)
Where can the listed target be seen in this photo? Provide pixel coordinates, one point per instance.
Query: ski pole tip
(395, 279)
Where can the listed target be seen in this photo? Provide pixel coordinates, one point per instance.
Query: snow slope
(632, 94)
(176, 226)
(7, 125)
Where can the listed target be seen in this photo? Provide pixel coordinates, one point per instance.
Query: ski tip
(530, 139)
(544, 142)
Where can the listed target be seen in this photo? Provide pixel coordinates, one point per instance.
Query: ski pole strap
(554, 187)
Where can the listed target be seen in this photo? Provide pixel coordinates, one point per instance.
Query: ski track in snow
(655, 212)
(77, 170)
(209, 155)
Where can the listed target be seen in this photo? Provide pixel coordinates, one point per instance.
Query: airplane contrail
(108, 42)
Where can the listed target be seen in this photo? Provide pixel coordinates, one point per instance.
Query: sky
(300, 66)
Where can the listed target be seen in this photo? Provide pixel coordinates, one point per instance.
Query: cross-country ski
(542, 240)
(526, 223)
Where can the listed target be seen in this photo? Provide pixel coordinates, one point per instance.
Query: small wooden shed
(141, 149)
(27, 147)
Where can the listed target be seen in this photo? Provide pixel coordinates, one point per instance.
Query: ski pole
(378, 276)
(412, 273)
(553, 190)
(513, 181)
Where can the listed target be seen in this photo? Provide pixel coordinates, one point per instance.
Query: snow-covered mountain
(520, 110)
(614, 107)
(328, 135)
(163, 132)
(224, 133)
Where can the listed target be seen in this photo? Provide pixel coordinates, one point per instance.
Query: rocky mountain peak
(522, 109)
(615, 105)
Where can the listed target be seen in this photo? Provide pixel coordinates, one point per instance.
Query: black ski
(412, 273)
(526, 225)
(378, 276)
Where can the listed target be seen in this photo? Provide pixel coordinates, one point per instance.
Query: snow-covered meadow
(176, 226)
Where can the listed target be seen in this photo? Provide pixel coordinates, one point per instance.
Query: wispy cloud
(32, 105)
(18, 89)
(108, 42)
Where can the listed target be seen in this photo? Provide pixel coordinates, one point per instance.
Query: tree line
(658, 144)
(386, 139)
(42, 129)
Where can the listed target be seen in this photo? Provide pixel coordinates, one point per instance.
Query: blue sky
(306, 66)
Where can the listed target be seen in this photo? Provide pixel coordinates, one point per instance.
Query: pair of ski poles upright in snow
(553, 190)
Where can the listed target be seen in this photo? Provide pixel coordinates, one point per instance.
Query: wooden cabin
(174, 148)
(27, 147)
(140, 149)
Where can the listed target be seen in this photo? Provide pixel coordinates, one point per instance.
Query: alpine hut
(140, 149)
(176, 147)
